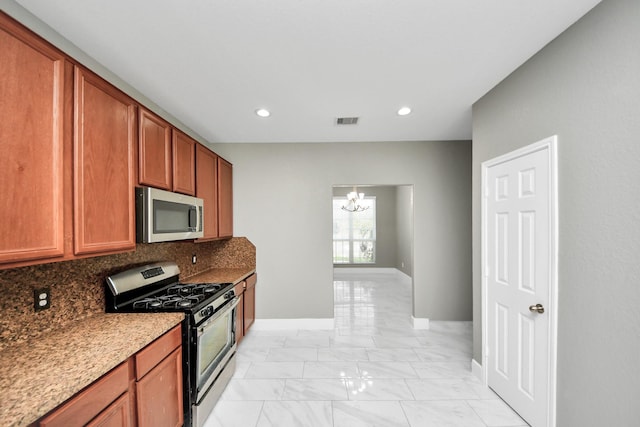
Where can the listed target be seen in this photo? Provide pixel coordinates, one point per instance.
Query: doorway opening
(377, 238)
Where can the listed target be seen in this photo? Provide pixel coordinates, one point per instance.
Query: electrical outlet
(193, 259)
(41, 299)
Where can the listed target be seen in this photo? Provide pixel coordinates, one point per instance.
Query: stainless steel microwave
(163, 216)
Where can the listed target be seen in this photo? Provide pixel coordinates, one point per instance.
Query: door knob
(538, 307)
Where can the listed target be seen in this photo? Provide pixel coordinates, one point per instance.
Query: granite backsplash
(77, 287)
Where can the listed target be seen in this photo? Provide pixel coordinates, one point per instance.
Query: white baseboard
(280, 324)
(364, 270)
(476, 370)
(451, 326)
(420, 322)
(402, 276)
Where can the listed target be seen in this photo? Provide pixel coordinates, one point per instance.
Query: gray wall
(404, 229)
(584, 87)
(282, 203)
(386, 234)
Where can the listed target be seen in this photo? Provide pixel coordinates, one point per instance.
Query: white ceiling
(212, 63)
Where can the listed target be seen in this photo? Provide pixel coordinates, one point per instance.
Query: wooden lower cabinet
(116, 415)
(250, 302)
(144, 391)
(159, 395)
(239, 290)
(91, 403)
(246, 309)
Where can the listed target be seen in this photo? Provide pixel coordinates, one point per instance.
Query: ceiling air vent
(347, 121)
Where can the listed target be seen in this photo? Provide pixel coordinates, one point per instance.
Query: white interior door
(519, 273)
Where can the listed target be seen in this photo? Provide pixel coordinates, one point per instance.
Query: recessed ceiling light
(262, 112)
(404, 111)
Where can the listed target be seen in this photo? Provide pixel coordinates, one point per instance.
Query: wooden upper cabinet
(184, 163)
(214, 184)
(225, 198)
(166, 156)
(154, 151)
(104, 179)
(34, 81)
(207, 188)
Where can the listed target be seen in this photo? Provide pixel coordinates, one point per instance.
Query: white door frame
(549, 144)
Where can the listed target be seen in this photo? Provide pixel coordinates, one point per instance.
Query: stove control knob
(229, 295)
(209, 310)
(203, 312)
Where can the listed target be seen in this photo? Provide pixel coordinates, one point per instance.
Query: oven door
(216, 342)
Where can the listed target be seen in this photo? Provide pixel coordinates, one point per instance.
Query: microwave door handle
(193, 218)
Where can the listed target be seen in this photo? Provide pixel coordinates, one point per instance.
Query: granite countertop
(39, 375)
(221, 275)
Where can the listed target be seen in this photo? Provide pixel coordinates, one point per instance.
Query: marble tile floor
(373, 369)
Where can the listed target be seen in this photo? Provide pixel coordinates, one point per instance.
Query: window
(354, 233)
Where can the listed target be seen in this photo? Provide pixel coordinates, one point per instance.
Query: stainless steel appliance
(163, 216)
(208, 329)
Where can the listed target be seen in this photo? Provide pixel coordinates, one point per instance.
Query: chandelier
(354, 202)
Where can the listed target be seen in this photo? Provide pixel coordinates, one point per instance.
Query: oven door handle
(234, 302)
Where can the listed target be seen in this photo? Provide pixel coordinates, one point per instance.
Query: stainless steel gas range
(208, 332)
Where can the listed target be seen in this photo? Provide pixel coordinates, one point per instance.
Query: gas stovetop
(156, 288)
(180, 296)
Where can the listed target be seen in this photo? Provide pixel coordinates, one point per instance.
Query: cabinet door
(154, 151)
(33, 111)
(92, 401)
(250, 302)
(159, 394)
(184, 163)
(239, 290)
(154, 353)
(104, 144)
(207, 188)
(118, 414)
(225, 198)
